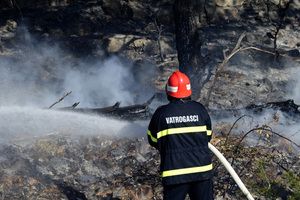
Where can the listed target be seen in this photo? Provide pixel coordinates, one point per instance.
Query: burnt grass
(101, 167)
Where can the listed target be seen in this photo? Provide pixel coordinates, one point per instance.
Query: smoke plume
(39, 74)
(295, 85)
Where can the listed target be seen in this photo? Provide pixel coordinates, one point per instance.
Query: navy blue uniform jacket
(181, 131)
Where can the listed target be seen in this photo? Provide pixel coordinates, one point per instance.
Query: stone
(288, 38)
(229, 3)
(8, 30)
(117, 42)
(140, 43)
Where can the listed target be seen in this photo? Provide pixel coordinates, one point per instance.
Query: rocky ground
(62, 166)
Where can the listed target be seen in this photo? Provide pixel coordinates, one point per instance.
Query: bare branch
(227, 135)
(62, 98)
(221, 66)
(238, 44)
(269, 52)
(262, 129)
(75, 105)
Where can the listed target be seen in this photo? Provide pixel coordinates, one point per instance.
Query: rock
(8, 31)
(140, 43)
(118, 42)
(229, 3)
(167, 45)
(221, 10)
(288, 38)
(295, 4)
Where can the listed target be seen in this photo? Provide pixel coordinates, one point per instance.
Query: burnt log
(131, 113)
(288, 107)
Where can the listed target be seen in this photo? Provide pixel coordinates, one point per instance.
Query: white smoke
(295, 93)
(286, 81)
(111, 81)
(42, 73)
(278, 122)
(39, 75)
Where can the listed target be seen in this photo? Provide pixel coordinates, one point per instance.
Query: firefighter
(180, 131)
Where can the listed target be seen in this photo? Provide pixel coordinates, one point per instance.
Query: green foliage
(272, 186)
(293, 183)
(265, 184)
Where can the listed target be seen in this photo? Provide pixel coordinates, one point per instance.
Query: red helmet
(179, 85)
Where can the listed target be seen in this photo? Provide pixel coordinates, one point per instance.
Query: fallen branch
(269, 52)
(62, 98)
(131, 112)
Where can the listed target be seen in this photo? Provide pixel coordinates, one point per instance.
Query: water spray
(231, 171)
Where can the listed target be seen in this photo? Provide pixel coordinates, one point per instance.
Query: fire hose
(231, 171)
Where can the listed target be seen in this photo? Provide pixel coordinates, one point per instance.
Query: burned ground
(249, 96)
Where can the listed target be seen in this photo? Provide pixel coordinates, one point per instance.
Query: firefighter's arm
(209, 128)
(152, 131)
(152, 139)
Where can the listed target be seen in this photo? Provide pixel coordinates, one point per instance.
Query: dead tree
(188, 16)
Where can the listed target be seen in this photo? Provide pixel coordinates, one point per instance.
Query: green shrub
(292, 182)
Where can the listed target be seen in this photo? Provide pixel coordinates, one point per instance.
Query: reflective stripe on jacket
(181, 131)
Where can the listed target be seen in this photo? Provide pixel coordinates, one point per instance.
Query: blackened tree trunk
(188, 16)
